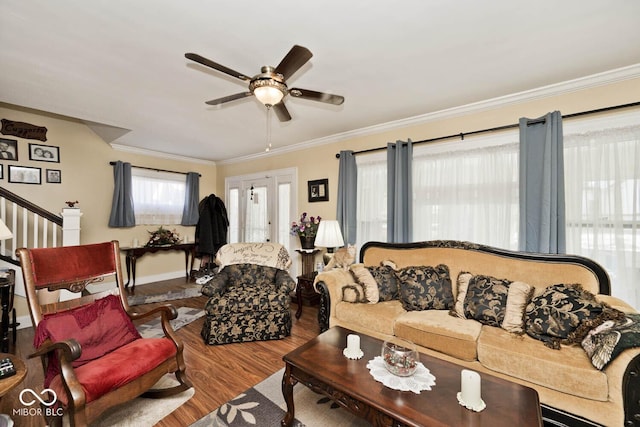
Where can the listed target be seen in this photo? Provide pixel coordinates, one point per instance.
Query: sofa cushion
(511, 310)
(241, 299)
(118, 368)
(425, 287)
(518, 298)
(385, 277)
(366, 280)
(486, 300)
(565, 314)
(353, 292)
(567, 370)
(463, 284)
(378, 317)
(437, 330)
(92, 326)
(605, 342)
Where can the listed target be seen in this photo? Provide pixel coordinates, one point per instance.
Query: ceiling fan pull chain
(268, 148)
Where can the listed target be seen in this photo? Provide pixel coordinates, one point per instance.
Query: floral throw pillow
(387, 282)
(424, 288)
(607, 341)
(564, 314)
(486, 300)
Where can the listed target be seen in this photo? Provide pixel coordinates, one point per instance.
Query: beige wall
(320, 161)
(88, 178)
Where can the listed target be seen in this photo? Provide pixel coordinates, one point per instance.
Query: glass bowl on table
(400, 357)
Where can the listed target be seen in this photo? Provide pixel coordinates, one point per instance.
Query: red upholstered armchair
(91, 352)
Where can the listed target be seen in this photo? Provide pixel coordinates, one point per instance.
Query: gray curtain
(347, 192)
(191, 199)
(399, 192)
(542, 216)
(122, 214)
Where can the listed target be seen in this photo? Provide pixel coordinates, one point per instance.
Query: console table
(132, 255)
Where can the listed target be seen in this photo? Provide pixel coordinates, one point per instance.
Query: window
(602, 186)
(371, 210)
(467, 190)
(158, 197)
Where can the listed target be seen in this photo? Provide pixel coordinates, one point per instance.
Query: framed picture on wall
(44, 153)
(25, 175)
(8, 149)
(318, 190)
(54, 176)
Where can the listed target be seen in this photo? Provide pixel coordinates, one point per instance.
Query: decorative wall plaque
(24, 130)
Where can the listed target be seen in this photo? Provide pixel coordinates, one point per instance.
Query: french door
(261, 206)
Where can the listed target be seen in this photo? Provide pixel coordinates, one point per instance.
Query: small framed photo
(54, 176)
(44, 153)
(8, 149)
(318, 190)
(25, 175)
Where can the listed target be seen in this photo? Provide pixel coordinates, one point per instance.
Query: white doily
(422, 379)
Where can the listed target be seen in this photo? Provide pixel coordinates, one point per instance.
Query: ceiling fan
(270, 86)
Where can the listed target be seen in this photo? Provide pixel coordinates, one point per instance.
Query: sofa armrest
(216, 285)
(329, 285)
(284, 282)
(616, 303)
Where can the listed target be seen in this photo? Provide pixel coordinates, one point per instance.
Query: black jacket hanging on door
(211, 230)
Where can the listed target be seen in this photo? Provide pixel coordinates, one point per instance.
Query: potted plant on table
(163, 237)
(306, 230)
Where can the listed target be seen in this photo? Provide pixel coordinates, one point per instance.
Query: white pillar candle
(186, 239)
(470, 387)
(135, 243)
(353, 344)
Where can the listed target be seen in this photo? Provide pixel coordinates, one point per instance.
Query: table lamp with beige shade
(329, 236)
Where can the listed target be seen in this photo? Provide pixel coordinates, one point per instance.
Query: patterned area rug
(186, 315)
(190, 292)
(264, 406)
(145, 412)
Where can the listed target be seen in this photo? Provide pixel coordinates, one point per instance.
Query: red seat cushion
(118, 368)
(99, 327)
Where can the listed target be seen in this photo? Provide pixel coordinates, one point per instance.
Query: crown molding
(582, 83)
(160, 154)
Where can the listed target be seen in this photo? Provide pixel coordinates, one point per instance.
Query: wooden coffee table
(321, 366)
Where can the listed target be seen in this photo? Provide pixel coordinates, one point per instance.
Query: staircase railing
(31, 225)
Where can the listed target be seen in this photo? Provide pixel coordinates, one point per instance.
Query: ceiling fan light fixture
(268, 91)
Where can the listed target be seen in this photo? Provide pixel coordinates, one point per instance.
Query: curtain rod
(461, 135)
(154, 169)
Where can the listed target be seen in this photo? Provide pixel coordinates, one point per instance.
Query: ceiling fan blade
(317, 96)
(296, 58)
(209, 63)
(228, 98)
(282, 112)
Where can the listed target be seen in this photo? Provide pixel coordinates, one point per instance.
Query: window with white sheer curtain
(602, 181)
(467, 190)
(371, 208)
(158, 197)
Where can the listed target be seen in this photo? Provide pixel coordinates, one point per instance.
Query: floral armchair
(249, 299)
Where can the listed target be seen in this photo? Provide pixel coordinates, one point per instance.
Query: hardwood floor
(218, 373)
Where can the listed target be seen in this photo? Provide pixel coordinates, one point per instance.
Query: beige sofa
(571, 390)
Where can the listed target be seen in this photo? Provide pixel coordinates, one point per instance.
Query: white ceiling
(120, 63)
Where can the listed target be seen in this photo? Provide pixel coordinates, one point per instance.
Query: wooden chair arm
(70, 348)
(165, 310)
